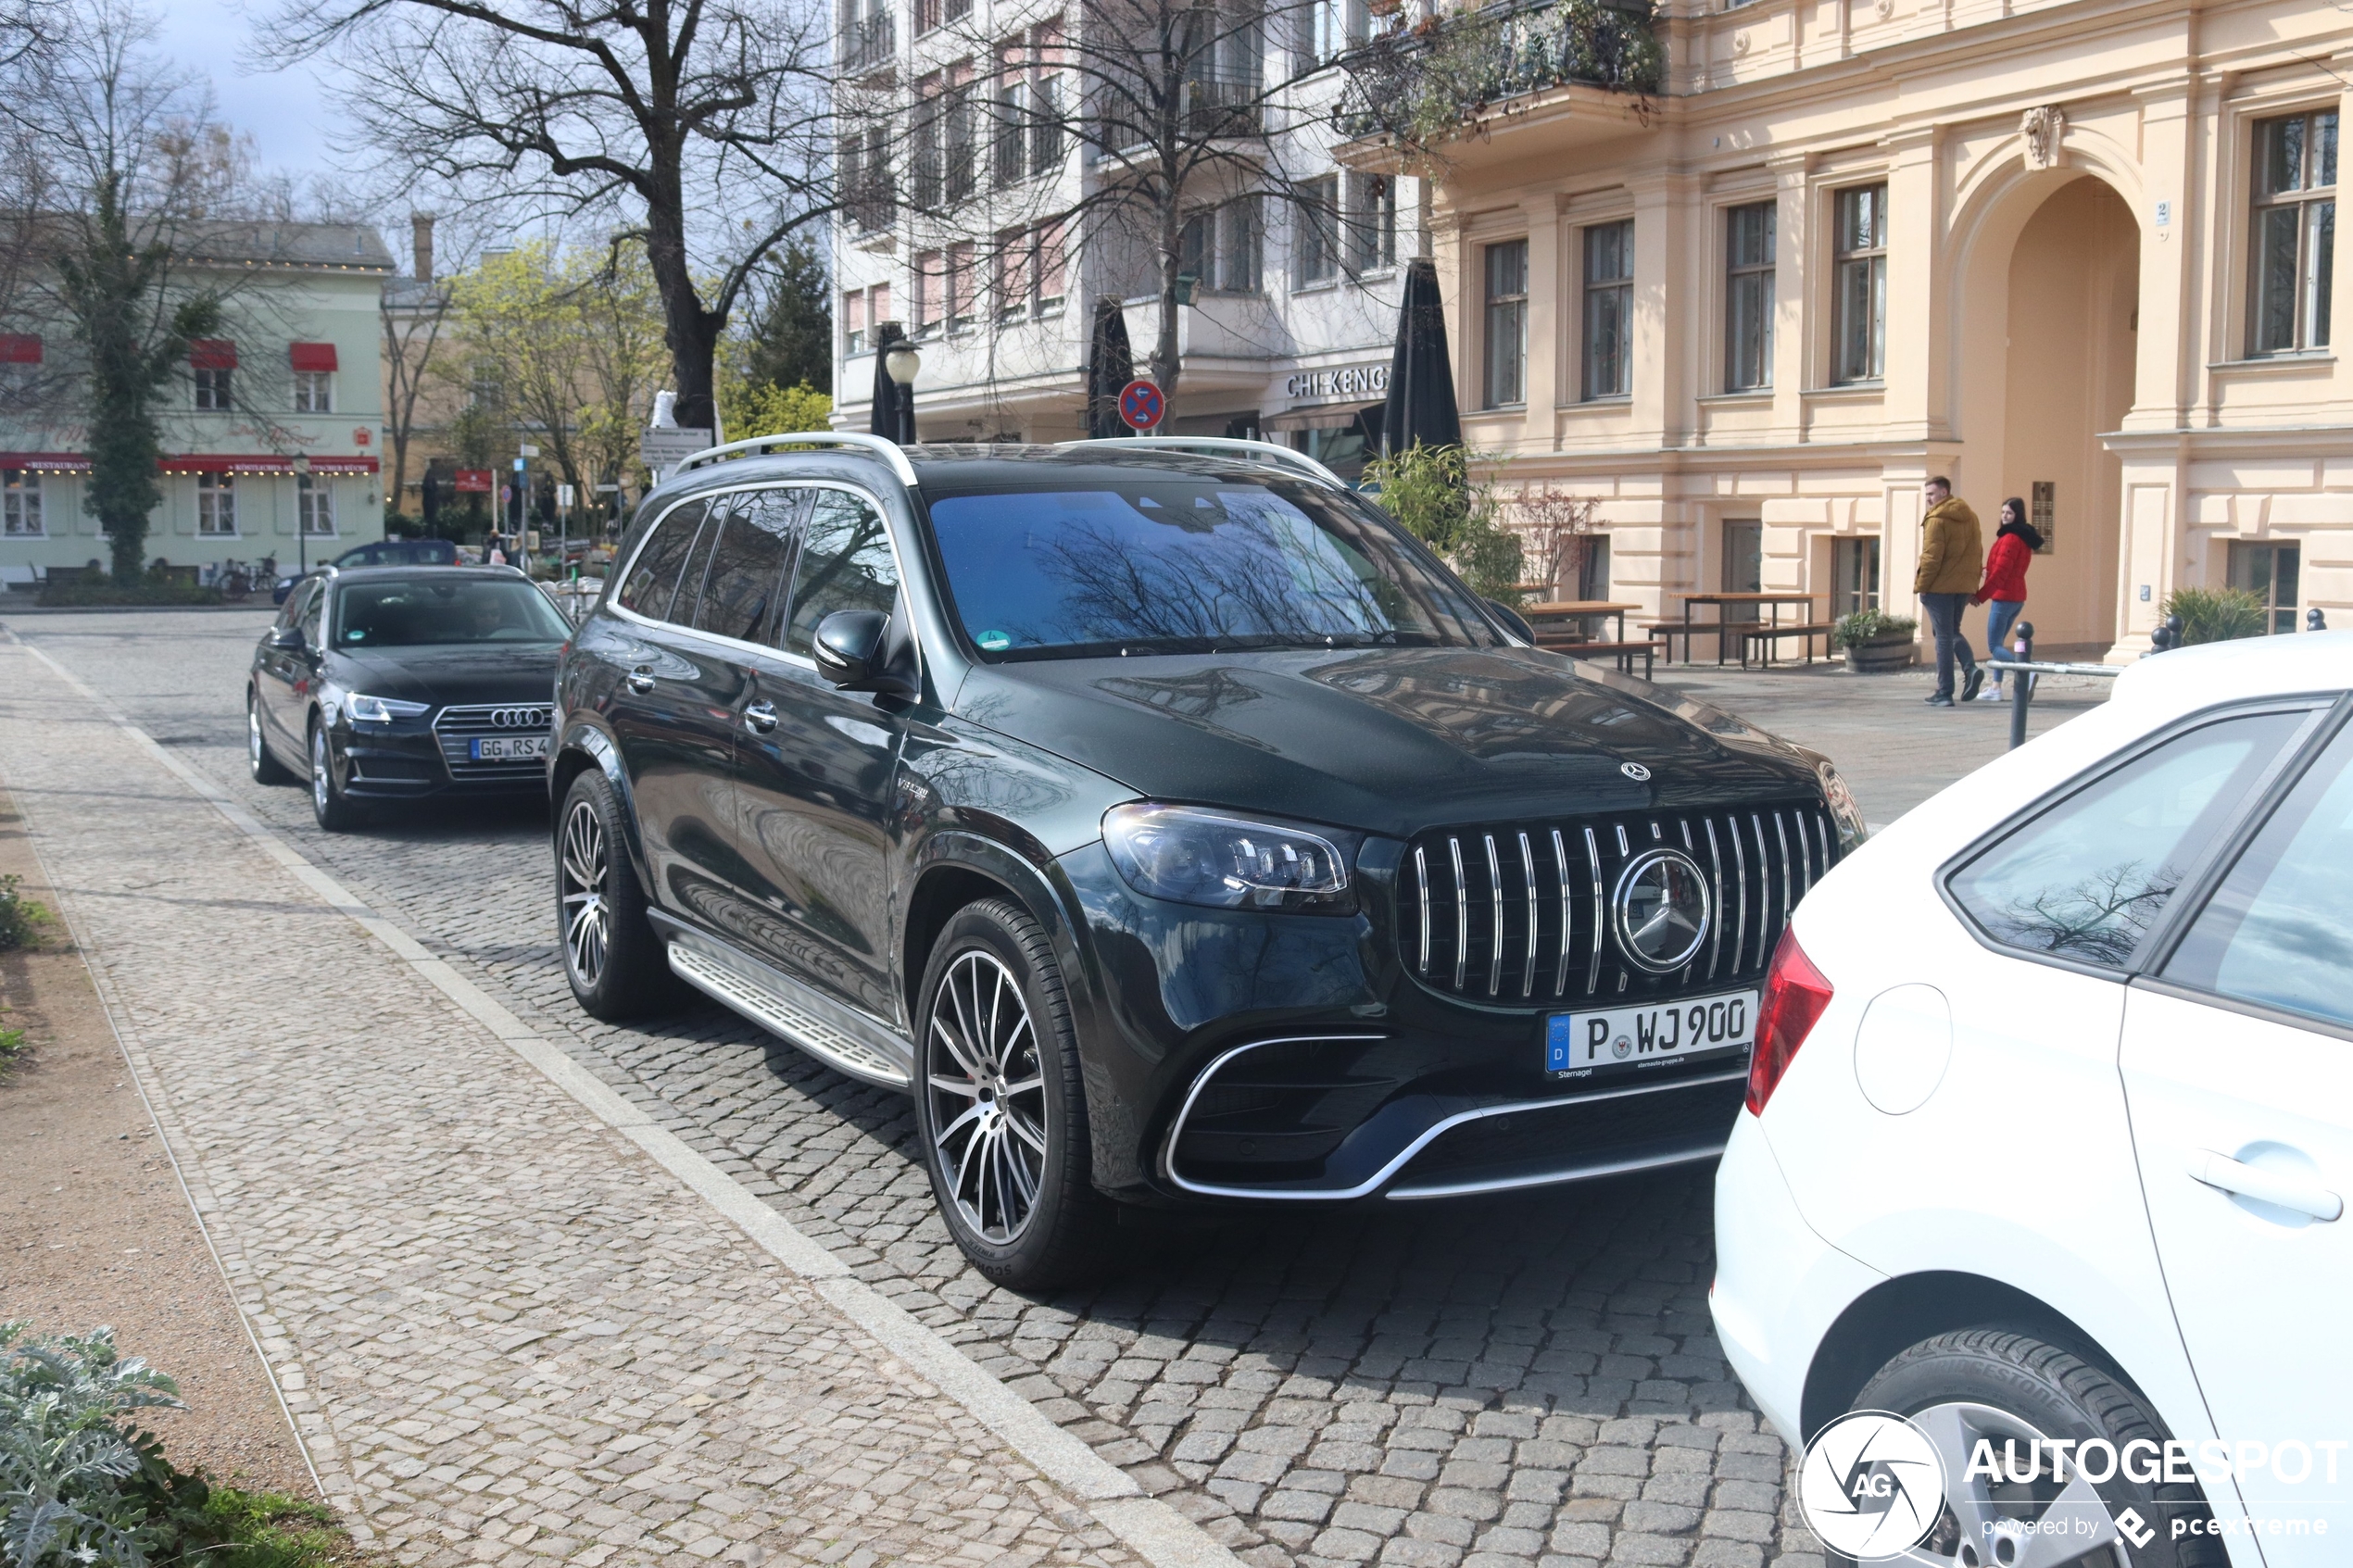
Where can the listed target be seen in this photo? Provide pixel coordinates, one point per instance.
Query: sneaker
(1976, 680)
(1992, 694)
(1938, 699)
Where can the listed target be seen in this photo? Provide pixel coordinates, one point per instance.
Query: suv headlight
(1198, 856)
(1852, 830)
(381, 709)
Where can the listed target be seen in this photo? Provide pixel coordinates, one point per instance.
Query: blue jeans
(1945, 623)
(2000, 616)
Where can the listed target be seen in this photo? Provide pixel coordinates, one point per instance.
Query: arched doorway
(2073, 316)
(2044, 325)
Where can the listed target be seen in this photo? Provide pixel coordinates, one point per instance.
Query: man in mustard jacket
(1952, 559)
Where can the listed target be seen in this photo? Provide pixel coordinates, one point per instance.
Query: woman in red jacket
(2014, 546)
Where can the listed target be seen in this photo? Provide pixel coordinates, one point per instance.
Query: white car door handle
(2265, 1186)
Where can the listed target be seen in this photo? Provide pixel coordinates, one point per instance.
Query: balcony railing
(1421, 87)
(870, 44)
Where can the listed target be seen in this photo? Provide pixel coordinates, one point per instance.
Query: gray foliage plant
(76, 1485)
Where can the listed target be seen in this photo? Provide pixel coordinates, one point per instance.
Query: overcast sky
(290, 113)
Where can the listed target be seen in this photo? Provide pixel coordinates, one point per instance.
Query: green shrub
(1870, 625)
(20, 918)
(1436, 495)
(155, 588)
(11, 1048)
(80, 1484)
(2216, 615)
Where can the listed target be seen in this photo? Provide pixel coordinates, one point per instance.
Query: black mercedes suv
(1173, 827)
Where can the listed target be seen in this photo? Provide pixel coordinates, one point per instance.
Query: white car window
(2279, 931)
(2086, 879)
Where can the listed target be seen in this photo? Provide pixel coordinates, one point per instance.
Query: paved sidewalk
(505, 1334)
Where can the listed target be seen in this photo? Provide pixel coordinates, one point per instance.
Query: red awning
(46, 462)
(19, 348)
(312, 355)
(212, 353)
(240, 462)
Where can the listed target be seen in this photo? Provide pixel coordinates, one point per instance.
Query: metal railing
(2166, 637)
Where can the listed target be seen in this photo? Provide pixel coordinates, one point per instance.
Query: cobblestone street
(1506, 1383)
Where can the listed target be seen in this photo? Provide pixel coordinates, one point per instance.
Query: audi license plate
(1578, 1044)
(507, 749)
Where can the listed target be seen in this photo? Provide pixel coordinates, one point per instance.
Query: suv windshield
(1174, 565)
(411, 613)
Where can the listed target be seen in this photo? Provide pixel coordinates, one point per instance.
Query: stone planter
(1882, 656)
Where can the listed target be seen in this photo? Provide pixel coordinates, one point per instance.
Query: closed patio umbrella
(892, 415)
(1111, 365)
(1421, 381)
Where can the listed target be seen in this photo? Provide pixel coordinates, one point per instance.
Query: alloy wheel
(585, 875)
(253, 733)
(988, 1089)
(1989, 1523)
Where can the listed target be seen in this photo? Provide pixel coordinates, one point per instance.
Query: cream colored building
(2078, 252)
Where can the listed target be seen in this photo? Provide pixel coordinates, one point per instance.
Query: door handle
(641, 679)
(2226, 1174)
(761, 716)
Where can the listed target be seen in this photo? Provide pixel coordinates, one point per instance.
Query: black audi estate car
(390, 684)
(1171, 825)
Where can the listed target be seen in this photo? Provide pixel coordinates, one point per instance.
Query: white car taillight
(1795, 995)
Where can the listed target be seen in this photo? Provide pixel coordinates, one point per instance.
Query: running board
(785, 1007)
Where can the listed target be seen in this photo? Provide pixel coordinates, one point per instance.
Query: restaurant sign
(1352, 381)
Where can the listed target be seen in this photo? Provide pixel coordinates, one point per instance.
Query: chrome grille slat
(1716, 869)
(1764, 887)
(1805, 856)
(1560, 864)
(1421, 889)
(1462, 913)
(1495, 908)
(1780, 831)
(1593, 858)
(1740, 881)
(1527, 870)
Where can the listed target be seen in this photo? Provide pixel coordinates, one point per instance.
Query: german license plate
(507, 749)
(1578, 1044)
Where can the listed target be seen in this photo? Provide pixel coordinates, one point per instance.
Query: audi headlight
(1198, 856)
(381, 709)
(1852, 830)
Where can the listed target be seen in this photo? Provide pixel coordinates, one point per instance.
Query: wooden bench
(1667, 630)
(1763, 635)
(1649, 648)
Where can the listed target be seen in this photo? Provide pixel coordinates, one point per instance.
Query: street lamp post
(302, 523)
(901, 364)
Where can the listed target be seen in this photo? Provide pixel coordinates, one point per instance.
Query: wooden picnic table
(1577, 608)
(1721, 627)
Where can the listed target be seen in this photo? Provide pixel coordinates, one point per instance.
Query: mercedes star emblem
(1635, 771)
(1662, 911)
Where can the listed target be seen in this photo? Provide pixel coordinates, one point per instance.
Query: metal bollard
(2021, 683)
(2314, 621)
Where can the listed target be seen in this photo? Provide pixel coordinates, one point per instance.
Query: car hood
(1387, 740)
(448, 675)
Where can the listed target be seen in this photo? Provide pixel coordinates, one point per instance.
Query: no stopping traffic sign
(1141, 405)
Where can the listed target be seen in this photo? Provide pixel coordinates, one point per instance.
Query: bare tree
(699, 126)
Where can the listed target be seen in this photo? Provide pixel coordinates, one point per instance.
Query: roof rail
(1223, 445)
(887, 450)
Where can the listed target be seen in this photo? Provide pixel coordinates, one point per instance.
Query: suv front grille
(1519, 913)
(454, 727)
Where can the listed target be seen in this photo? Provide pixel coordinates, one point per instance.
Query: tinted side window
(654, 574)
(844, 564)
(290, 613)
(2086, 879)
(748, 568)
(2280, 929)
(313, 615)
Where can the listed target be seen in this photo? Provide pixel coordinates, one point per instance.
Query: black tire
(992, 954)
(261, 760)
(2041, 1388)
(333, 809)
(618, 965)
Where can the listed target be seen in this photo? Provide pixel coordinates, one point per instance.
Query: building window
(867, 194)
(1316, 233)
(1372, 223)
(1507, 344)
(217, 504)
(21, 504)
(2043, 504)
(854, 321)
(1609, 310)
(957, 289)
(1224, 247)
(214, 364)
(958, 132)
(1052, 265)
(1858, 281)
(927, 17)
(1748, 297)
(2269, 572)
(2294, 232)
(315, 505)
(928, 170)
(924, 280)
(314, 391)
(1854, 575)
(1328, 29)
(1012, 112)
(1014, 258)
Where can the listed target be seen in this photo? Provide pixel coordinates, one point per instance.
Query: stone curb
(1146, 1525)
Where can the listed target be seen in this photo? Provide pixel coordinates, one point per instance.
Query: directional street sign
(1141, 405)
(662, 450)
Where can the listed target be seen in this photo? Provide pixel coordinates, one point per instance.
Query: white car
(2050, 1125)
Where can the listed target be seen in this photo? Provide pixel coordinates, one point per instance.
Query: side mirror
(854, 649)
(287, 639)
(1512, 621)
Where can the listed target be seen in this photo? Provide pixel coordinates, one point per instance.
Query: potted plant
(1876, 642)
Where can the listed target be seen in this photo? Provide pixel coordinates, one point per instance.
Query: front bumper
(408, 760)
